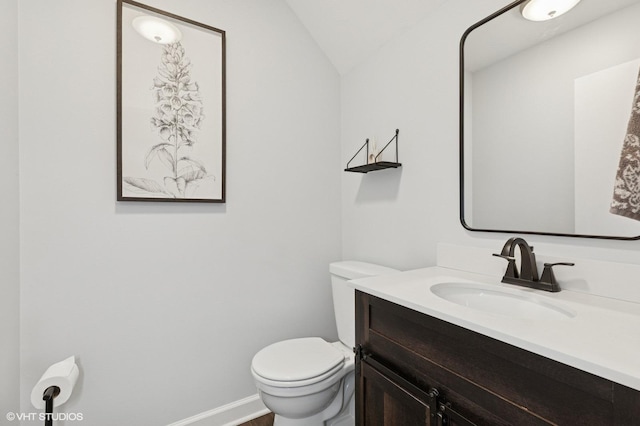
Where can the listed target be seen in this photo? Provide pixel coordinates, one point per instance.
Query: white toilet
(309, 381)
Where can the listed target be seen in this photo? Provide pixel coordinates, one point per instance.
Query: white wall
(165, 304)
(397, 217)
(9, 213)
(537, 136)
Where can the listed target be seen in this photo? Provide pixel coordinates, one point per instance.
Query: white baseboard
(232, 414)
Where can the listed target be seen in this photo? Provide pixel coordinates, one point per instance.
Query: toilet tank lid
(352, 269)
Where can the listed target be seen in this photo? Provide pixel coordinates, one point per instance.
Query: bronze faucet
(528, 276)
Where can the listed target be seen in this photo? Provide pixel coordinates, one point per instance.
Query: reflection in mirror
(544, 112)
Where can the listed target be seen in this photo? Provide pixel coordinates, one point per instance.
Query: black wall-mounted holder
(376, 165)
(48, 396)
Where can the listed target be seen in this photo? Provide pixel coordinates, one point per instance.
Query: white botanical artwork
(169, 150)
(177, 119)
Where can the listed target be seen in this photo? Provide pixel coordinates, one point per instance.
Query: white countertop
(603, 338)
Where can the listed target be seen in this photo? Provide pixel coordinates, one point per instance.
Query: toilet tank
(344, 296)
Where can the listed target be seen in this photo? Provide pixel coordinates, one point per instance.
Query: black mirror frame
(461, 135)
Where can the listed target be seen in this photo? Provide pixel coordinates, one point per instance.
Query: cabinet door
(385, 402)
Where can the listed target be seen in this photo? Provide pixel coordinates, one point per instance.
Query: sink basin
(507, 302)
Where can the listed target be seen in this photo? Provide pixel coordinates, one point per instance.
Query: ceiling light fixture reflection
(543, 10)
(156, 29)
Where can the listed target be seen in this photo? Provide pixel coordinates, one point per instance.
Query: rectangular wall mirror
(544, 111)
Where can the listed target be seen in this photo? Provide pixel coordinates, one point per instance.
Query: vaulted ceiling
(348, 31)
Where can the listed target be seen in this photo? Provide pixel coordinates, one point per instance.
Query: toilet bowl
(305, 379)
(309, 381)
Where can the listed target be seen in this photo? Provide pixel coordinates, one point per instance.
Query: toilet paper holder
(48, 396)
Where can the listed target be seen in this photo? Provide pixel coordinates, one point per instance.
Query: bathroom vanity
(427, 360)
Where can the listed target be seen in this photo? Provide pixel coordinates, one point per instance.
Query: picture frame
(171, 107)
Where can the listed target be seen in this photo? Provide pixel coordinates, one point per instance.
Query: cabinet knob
(434, 393)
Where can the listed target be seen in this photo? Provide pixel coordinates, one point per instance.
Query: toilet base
(342, 420)
(310, 421)
(345, 418)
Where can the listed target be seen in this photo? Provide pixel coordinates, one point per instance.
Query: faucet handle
(504, 256)
(549, 278)
(512, 271)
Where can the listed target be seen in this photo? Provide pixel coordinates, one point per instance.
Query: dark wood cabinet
(413, 369)
(390, 402)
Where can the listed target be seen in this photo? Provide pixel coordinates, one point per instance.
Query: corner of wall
(9, 216)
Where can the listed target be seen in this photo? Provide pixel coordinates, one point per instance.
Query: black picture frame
(171, 107)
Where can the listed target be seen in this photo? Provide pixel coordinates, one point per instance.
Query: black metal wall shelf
(375, 165)
(366, 168)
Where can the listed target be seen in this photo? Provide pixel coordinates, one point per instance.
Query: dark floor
(266, 420)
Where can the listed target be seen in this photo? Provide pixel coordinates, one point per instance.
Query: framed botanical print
(170, 108)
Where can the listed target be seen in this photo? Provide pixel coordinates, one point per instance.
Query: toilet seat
(297, 362)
